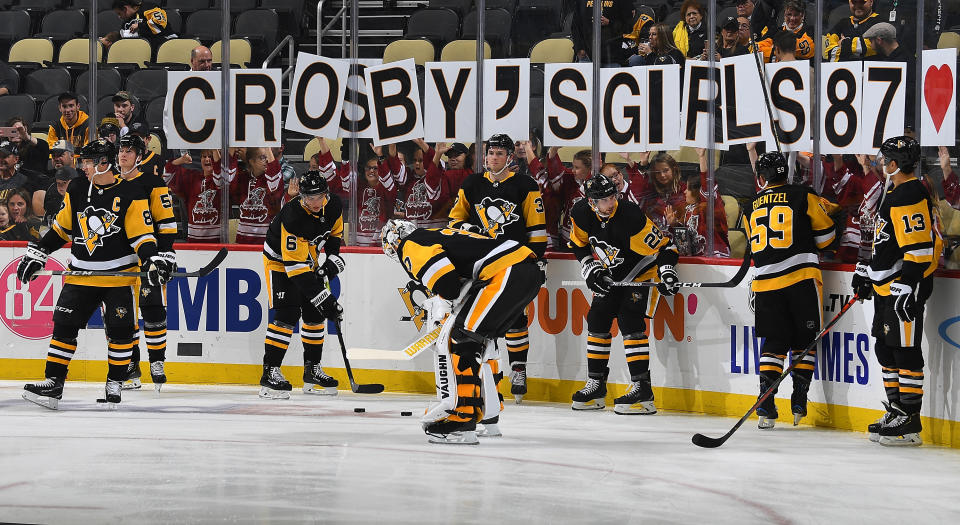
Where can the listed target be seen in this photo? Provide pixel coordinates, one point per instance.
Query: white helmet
(394, 231)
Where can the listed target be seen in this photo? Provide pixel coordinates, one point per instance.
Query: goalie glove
(437, 309)
(599, 279)
(332, 266)
(32, 262)
(327, 304)
(861, 283)
(905, 301)
(158, 271)
(669, 280)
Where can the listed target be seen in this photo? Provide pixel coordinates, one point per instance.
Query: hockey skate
(798, 400)
(112, 394)
(273, 385)
(874, 428)
(637, 400)
(518, 383)
(46, 393)
(316, 381)
(903, 430)
(489, 427)
(132, 381)
(158, 374)
(591, 396)
(451, 432)
(767, 411)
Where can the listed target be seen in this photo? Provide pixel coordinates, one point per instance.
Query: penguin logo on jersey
(96, 224)
(606, 253)
(496, 215)
(880, 236)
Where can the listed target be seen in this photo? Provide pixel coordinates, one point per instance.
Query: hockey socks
(59, 355)
(276, 342)
(598, 353)
(518, 345)
(637, 348)
(155, 334)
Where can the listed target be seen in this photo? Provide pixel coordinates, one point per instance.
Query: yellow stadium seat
(32, 50)
(552, 50)
(240, 52)
(463, 51)
(949, 39)
(421, 51)
(176, 51)
(129, 51)
(156, 144)
(77, 51)
(314, 146)
(738, 243)
(732, 208)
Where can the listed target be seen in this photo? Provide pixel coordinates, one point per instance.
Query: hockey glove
(437, 308)
(472, 228)
(905, 302)
(333, 266)
(861, 283)
(598, 278)
(32, 262)
(158, 270)
(669, 280)
(328, 306)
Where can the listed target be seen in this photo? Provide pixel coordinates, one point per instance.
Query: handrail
(291, 52)
(342, 14)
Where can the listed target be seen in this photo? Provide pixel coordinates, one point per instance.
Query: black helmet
(772, 167)
(600, 187)
(98, 150)
(904, 150)
(501, 140)
(108, 128)
(313, 183)
(132, 141)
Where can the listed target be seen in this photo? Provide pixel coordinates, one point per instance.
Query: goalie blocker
(505, 278)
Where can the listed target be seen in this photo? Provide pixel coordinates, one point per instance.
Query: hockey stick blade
(703, 441)
(371, 388)
(412, 350)
(733, 282)
(202, 272)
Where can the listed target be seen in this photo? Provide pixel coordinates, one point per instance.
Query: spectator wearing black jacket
(616, 20)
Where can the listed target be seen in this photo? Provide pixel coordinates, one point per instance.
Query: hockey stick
(202, 272)
(371, 388)
(732, 283)
(413, 350)
(708, 442)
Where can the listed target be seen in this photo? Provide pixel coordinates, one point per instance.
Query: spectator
(784, 46)
(657, 190)
(338, 177)
(695, 224)
(423, 195)
(729, 42)
(33, 153)
(61, 156)
(53, 196)
(201, 59)
(616, 20)
(561, 188)
(375, 197)
(151, 162)
(951, 183)
(690, 35)
(845, 40)
(793, 23)
(745, 8)
(73, 124)
(259, 190)
(744, 33)
(458, 167)
(12, 179)
(659, 50)
(882, 37)
(109, 129)
(140, 20)
(200, 190)
(640, 33)
(18, 203)
(125, 111)
(9, 230)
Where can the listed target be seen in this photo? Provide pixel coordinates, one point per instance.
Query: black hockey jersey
(152, 24)
(786, 225)
(627, 243)
(845, 41)
(509, 209)
(907, 242)
(161, 209)
(110, 230)
(295, 236)
(440, 257)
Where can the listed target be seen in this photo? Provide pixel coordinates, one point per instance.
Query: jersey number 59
(771, 227)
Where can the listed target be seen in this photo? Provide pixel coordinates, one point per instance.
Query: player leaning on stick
(151, 300)
(906, 247)
(295, 272)
(786, 226)
(502, 277)
(615, 241)
(109, 224)
(503, 205)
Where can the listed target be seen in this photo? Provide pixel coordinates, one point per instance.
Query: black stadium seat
(535, 20)
(174, 21)
(291, 14)
(154, 112)
(108, 22)
(102, 5)
(14, 25)
(458, 6)
(147, 84)
(437, 25)
(258, 24)
(507, 5)
(236, 6)
(11, 76)
(108, 81)
(22, 106)
(497, 31)
(63, 25)
(187, 6)
(204, 25)
(47, 81)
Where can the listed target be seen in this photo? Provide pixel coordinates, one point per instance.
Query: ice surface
(197, 454)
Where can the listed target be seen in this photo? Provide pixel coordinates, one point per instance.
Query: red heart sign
(938, 92)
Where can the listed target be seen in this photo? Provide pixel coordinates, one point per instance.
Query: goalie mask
(393, 232)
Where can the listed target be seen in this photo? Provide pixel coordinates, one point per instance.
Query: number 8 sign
(28, 308)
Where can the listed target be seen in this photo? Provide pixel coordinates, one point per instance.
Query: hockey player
(499, 277)
(786, 226)
(295, 284)
(151, 300)
(615, 241)
(109, 224)
(906, 247)
(502, 205)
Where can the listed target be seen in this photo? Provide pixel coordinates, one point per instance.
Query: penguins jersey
(440, 257)
(111, 230)
(295, 237)
(161, 209)
(151, 22)
(786, 225)
(907, 243)
(627, 243)
(509, 209)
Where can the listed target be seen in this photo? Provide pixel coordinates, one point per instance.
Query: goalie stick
(371, 388)
(732, 283)
(413, 350)
(701, 440)
(202, 272)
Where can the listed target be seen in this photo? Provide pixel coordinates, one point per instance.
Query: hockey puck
(359, 410)
(101, 400)
(406, 413)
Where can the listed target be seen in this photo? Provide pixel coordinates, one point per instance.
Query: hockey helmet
(313, 183)
(904, 150)
(501, 140)
(108, 128)
(132, 141)
(394, 231)
(100, 150)
(599, 187)
(772, 166)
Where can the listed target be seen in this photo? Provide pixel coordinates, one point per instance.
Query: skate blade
(157, 387)
(874, 436)
(132, 384)
(765, 423)
(103, 404)
(906, 440)
(797, 418)
(596, 404)
(46, 402)
(489, 431)
(317, 390)
(269, 393)
(518, 398)
(643, 408)
(468, 437)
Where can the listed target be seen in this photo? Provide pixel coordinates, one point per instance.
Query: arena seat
(108, 22)
(22, 106)
(108, 81)
(241, 52)
(949, 39)
(62, 25)
(31, 51)
(176, 51)
(437, 25)
(420, 50)
(47, 81)
(552, 50)
(154, 111)
(77, 51)
(236, 6)
(187, 6)
(130, 51)
(260, 26)
(458, 6)
(463, 50)
(147, 84)
(499, 24)
(204, 25)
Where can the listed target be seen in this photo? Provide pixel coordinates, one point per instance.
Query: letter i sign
(27, 309)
